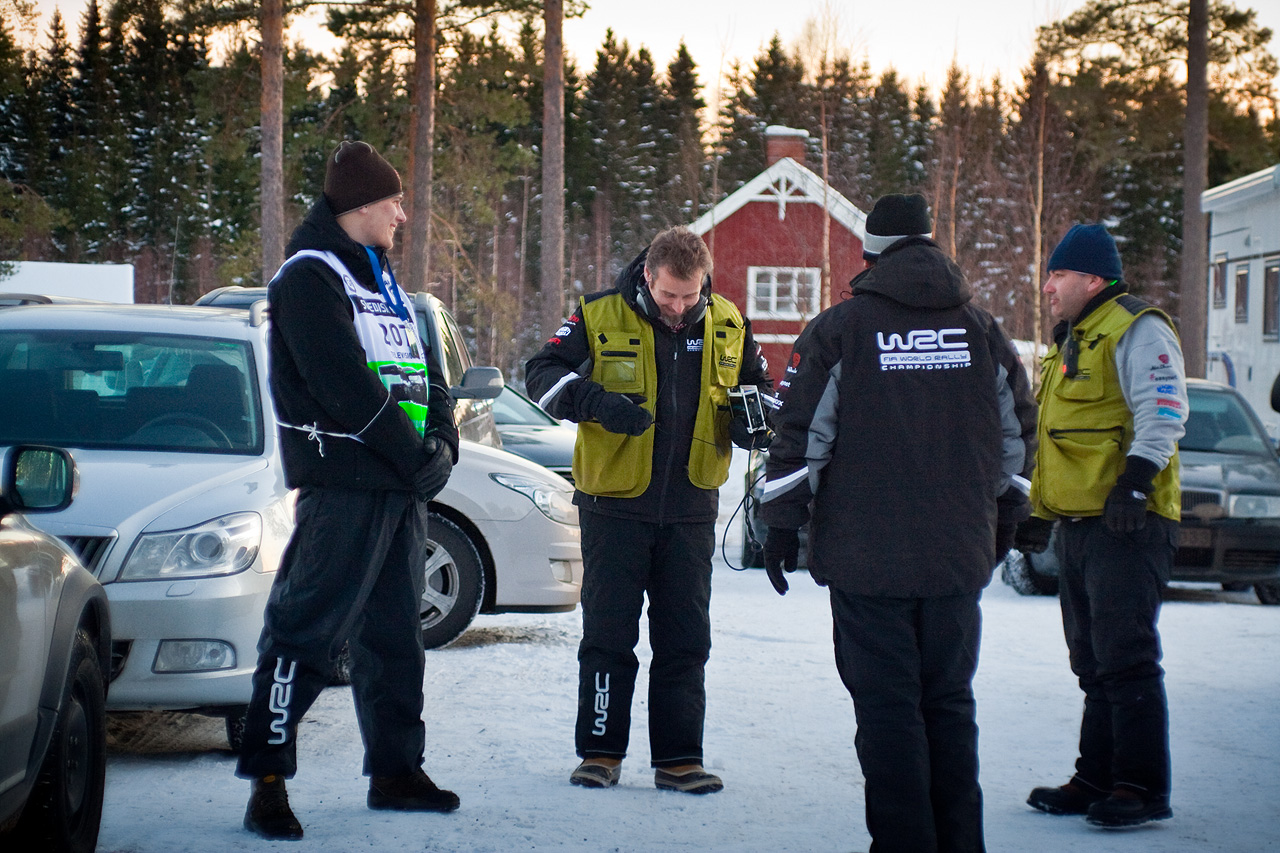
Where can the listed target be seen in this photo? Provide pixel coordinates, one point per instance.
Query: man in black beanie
(1113, 407)
(906, 421)
(367, 437)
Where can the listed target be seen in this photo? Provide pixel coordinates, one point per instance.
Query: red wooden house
(766, 245)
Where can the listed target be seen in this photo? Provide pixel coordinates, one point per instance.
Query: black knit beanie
(1088, 249)
(894, 217)
(357, 175)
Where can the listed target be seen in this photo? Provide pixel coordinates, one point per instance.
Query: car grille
(1238, 559)
(91, 550)
(1192, 499)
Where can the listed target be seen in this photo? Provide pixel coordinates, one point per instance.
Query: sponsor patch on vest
(693, 345)
(1169, 413)
(1166, 389)
(1162, 377)
(1172, 404)
(727, 360)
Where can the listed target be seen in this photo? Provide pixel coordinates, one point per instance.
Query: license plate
(1195, 537)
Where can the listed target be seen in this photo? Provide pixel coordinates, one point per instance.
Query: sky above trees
(919, 38)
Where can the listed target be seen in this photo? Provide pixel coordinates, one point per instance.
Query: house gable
(766, 241)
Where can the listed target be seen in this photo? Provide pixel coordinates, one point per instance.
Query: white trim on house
(775, 339)
(785, 182)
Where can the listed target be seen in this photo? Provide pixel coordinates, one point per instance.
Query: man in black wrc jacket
(906, 415)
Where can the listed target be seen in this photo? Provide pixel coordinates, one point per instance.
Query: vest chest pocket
(726, 349)
(620, 363)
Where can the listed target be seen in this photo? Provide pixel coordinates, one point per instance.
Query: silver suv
(55, 640)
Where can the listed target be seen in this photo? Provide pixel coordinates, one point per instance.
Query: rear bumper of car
(146, 613)
(1229, 550)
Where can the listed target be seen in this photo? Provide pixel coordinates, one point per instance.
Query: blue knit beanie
(1088, 249)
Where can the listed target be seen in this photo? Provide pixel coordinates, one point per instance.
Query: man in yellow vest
(645, 369)
(1113, 404)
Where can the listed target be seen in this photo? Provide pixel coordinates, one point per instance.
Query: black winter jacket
(671, 497)
(319, 375)
(905, 413)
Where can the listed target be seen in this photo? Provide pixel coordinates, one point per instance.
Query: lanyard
(392, 296)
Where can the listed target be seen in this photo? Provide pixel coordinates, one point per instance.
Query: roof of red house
(785, 182)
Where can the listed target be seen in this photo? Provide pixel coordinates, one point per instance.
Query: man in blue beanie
(1113, 404)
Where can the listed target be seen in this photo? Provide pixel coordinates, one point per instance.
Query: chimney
(782, 142)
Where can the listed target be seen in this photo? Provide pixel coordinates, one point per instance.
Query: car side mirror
(39, 479)
(479, 383)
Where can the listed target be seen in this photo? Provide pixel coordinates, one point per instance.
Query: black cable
(747, 506)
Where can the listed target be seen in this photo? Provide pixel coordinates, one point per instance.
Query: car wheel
(235, 721)
(1018, 571)
(455, 583)
(64, 810)
(1268, 592)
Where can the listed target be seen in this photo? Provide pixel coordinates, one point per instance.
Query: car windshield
(129, 391)
(1219, 422)
(512, 408)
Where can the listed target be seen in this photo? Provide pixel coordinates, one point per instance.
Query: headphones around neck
(695, 312)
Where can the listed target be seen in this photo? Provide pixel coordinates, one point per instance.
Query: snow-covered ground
(499, 714)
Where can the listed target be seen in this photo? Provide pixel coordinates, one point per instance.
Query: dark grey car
(1230, 529)
(527, 430)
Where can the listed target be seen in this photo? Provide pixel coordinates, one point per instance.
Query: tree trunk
(1195, 136)
(417, 271)
(553, 166)
(272, 107)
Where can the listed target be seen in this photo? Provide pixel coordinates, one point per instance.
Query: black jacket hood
(629, 280)
(915, 272)
(320, 231)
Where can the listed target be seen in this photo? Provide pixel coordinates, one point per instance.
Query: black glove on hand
(435, 472)
(621, 413)
(1033, 535)
(781, 553)
(1006, 534)
(1012, 507)
(1126, 508)
(742, 437)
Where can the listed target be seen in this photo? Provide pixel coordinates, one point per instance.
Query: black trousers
(1110, 592)
(623, 560)
(353, 571)
(909, 664)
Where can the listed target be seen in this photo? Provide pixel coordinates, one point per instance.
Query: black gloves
(434, 473)
(1012, 507)
(739, 435)
(620, 413)
(781, 553)
(1126, 508)
(1033, 535)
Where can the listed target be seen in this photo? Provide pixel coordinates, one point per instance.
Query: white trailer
(103, 282)
(1243, 335)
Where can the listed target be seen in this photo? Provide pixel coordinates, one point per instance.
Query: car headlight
(223, 546)
(556, 504)
(1254, 506)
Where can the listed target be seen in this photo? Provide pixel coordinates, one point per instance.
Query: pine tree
(681, 158)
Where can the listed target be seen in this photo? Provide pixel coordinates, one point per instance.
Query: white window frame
(791, 312)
